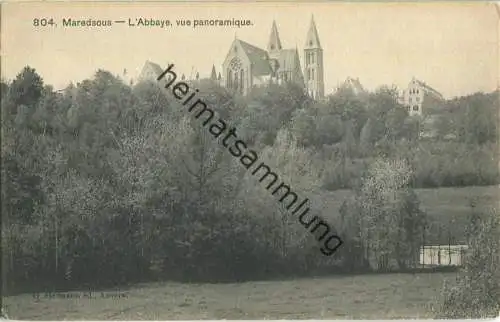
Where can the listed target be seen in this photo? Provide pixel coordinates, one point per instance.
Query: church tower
(313, 67)
(274, 45)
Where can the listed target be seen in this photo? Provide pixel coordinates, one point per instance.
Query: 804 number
(43, 22)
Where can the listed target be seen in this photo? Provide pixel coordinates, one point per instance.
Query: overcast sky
(452, 47)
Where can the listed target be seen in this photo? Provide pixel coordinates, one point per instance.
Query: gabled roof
(354, 84)
(427, 87)
(312, 39)
(155, 67)
(258, 58)
(287, 59)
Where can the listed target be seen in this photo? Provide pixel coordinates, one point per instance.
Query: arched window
(235, 66)
(229, 78)
(242, 78)
(235, 84)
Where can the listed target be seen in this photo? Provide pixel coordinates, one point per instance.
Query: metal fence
(442, 255)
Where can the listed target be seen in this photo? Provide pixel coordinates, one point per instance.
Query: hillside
(448, 207)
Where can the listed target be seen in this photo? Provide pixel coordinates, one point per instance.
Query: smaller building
(353, 85)
(419, 98)
(150, 72)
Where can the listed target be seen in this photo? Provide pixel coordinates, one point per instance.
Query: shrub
(477, 291)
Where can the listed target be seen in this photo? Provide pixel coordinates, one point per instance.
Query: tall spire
(312, 40)
(313, 60)
(213, 76)
(274, 39)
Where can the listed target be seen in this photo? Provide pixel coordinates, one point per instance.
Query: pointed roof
(155, 67)
(274, 39)
(426, 87)
(213, 75)
(150, 66)
(258, 58)
(353, 84)
(288, 60)
(312, 40)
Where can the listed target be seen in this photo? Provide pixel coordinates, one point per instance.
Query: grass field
(436, 201)
(360, 297)
(448, 208)
(340, 297)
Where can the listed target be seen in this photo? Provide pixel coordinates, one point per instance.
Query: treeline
(104, 183)
(451, 146)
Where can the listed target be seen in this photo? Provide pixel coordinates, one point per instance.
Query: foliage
(27, 88)
(477, 291)
(384, 209)
(107, 183)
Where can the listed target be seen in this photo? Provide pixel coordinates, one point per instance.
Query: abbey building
(246, 65)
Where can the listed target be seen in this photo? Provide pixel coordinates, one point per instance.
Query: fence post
(449, 241)
(423, 246)
(439, 254)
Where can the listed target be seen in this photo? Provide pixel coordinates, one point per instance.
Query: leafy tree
(105, 183)
(477, 291)
(349, 107)
(387, 115)
(4, 88)
(365, 138)
(304, 127)
(384, 209)
(269, 109)
(474, 117)
(329, 128)
(26, 88)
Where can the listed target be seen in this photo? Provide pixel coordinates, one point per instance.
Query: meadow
(368, 296)
(448, 208)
